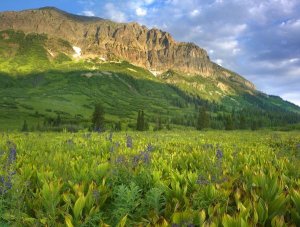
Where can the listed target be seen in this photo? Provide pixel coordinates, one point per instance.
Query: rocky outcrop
(153, 49)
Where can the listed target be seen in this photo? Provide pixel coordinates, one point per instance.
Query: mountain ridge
(153, 49)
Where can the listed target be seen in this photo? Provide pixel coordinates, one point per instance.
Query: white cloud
(290, 24)
(88, 13)
(219, 61)
(195, 13)
(228, 44)
(114, 14)
(140, 12)
(236, 51)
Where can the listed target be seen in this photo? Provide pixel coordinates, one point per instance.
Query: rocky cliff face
(153, 49)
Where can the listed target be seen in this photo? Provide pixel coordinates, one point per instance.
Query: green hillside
(40, 80)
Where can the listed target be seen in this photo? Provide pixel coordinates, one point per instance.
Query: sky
(259, 39)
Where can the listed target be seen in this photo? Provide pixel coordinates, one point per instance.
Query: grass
(121, 94)
(199, 178)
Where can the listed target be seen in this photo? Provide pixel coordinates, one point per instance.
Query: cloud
(114, 13)
(88, 13)
(219, 61)
(140, 12)
(195, 13)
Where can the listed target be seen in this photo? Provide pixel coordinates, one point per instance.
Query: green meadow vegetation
(190, 178)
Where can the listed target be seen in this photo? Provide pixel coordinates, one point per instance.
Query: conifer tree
(242, 121)
(25, 127)
(57, 121)
(142, 121)
(138, 121)
(140, 124)
(98, 118)
(203, 119)
(118, 126)
(228, 123)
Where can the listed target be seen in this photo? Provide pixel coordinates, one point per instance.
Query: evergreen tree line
(205, 116)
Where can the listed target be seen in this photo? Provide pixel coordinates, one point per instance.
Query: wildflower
(12, 155)
(135, 160)
(2, 180)
(120, 159)
(5, 185)
(149, 148)
(219, 154)
(129, 142)
(146, 157)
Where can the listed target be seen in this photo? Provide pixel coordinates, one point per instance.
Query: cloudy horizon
(260, 40)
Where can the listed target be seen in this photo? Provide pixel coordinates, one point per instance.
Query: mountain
(50, 56)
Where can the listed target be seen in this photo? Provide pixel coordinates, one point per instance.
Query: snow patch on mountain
(77, 52)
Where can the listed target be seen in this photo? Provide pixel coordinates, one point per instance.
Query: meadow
(174, 178)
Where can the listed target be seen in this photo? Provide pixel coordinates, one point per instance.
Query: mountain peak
(153, 49)
(50, 8)
(67, 14)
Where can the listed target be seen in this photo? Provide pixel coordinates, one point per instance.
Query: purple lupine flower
(2, 180)
(135, 160)
(145, 156)
(120, 159)
(129, 142)
(8, 184)
(5, 185)
(219, 154)
(149, 148)
(12, 155)
(213, 179)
